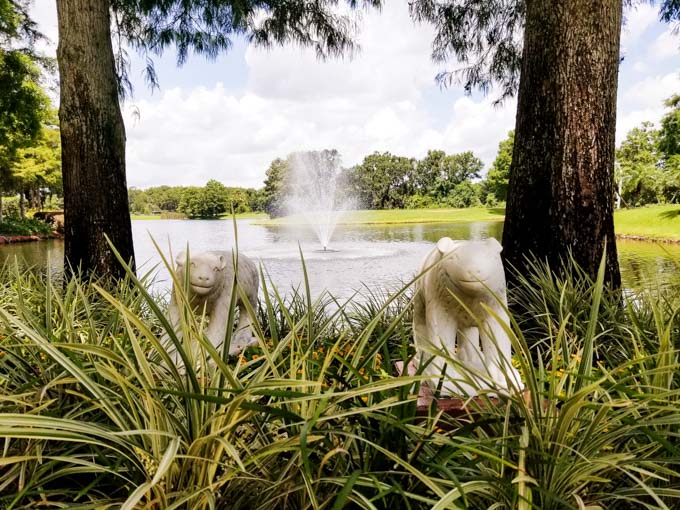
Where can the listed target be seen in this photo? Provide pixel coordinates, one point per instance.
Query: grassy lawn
(246, 216)
(658, 221)
(405, 216)
(145, 217)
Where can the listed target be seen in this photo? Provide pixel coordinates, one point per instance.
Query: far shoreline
(655, 223)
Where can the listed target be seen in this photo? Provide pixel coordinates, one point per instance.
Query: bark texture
(561, 187)
(93, 141)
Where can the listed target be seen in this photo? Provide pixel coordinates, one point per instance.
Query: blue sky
(228, 119)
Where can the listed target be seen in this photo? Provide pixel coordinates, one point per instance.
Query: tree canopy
(497, 177)
(23, 103)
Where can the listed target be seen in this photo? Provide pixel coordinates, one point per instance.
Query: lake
(373, 256)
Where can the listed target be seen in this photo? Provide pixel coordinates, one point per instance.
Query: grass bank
(652, 222)
(374, 217)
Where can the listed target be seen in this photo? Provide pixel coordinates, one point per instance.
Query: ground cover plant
(95, 412)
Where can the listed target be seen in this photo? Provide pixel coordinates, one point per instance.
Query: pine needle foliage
(209, 27)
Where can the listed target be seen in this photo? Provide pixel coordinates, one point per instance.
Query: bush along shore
(17, 230)
(96, 411)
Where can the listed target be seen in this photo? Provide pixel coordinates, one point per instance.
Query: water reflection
(382, 255)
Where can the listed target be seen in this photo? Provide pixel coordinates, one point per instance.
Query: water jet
(315, 192)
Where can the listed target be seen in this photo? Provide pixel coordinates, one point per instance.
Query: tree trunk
(561, 187)
(1, 216)
(22, 206)
(93, 141)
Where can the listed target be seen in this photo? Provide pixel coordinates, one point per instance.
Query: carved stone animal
(211, 276)
(460, 279)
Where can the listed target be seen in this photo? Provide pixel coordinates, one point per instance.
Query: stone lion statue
(211, 275)
(459, 279)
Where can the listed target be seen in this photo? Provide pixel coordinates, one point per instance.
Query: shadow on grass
(669, 215)
(497, 210)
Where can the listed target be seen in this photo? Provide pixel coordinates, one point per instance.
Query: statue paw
(241, 340)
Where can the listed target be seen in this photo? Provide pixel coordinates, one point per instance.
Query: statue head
(473, 266)
(206, 271)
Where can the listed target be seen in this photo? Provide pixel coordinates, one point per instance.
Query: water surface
(376, 256)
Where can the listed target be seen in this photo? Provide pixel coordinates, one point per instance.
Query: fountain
(315, 192)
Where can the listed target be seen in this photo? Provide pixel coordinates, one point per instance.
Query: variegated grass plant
(95, 413)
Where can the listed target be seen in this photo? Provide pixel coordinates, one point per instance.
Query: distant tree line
(648, 171)
(387, 181)
(648, 161)
(210, 201)
(381, 181)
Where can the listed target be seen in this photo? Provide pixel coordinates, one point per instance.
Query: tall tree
(93, 135)
(22, 101)
(437, 174)
(276, 188)
(669, 141)
(638, 157)
(669, 134)
(38, 167)
(565, 70)
(383, 181)
(93, 141)
(561, 186)
(454, 170)
(497, 177)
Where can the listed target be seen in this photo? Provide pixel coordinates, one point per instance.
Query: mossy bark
(561, 186)
(93, 141)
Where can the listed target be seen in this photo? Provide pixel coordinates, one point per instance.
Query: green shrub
(95, 413)
(463, 195)
(491, 200)
(420, 202)
(10, 207)
(24, 227)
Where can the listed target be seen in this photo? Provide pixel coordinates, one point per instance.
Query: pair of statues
(460, 319)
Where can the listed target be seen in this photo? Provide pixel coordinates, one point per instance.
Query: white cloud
(665, 46)
(479, 126)
(643, 101)
(649, 92)
(383, 99)
(292, 102)
(638, 19)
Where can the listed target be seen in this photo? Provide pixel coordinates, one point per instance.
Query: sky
(228, 119)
